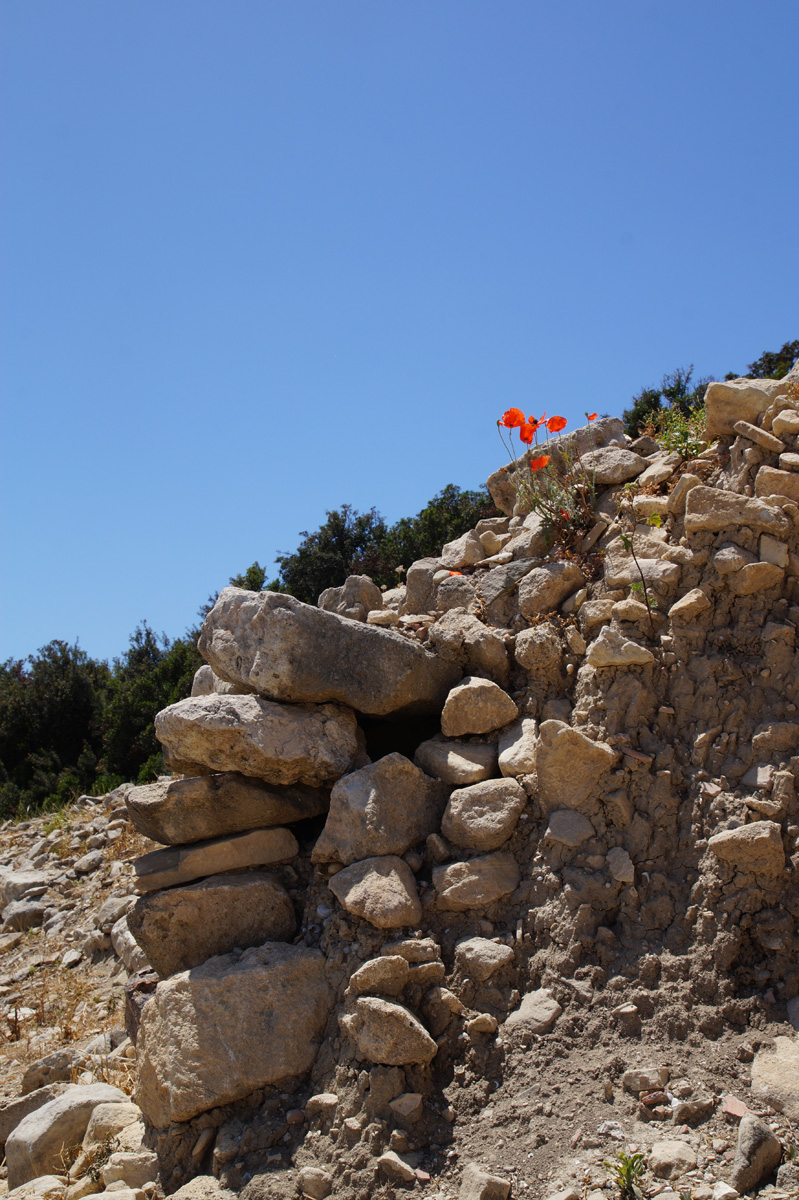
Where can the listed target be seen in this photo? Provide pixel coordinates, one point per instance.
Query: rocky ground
(464, 889)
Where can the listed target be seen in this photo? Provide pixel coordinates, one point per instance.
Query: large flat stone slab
(290, 651)
(183, 927)
(277, 743)
(213, 1035)
(205, 806)
(713, 509)
(183, 864)
(384, 808)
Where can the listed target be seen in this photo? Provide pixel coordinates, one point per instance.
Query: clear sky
(264, 257)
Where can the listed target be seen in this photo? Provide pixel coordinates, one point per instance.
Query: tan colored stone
(182, 864)
(275, 742)
(570, 767)
(476, 706)
(755, 848)
(613, 649)
(381, 890)
(690, 605)
(293, 652)
(483, 816)
(182, 927)
(475, 884)
(761, 437)
(388, 1033)
(215, 1034)
(756, 577)
(679, 493)
(713, 509)
(456, 763)
(735, 400)
(517, 747)
(770, 481)
(773, 551)
(786, 422)
(463, 640)
(671, 1158)
(479, 958)
(384, 808)
(775, 1076)
(385, 976)
(34, 1147)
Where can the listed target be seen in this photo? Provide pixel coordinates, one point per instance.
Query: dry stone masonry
(457, 882)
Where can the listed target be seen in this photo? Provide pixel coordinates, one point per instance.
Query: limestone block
(34, 1147)
(756, 848)
(381, 890)
(356, 597)
(177, 811)
(476, 706)
(738, 400)
(517, 747)
(388, 1033)
(182, 864)
(483, 816)
(290, 651)
(570, 767)
(713, 509)
(381, 809)
(479, 958)
(312, 744)
(475, 884)
(182, 927)
(454, 762)
(546, 587)
(215, 1034)
(538, 1012)
(770, 481)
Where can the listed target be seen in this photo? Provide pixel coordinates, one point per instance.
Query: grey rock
(476, 706)
(713, 510)
(419, 586)
(546, 587)
(15, 885)
(517, 747)
(469, 645)
(292, 652)
(57, 1067)
(127, 948)
(381, 809)
(274, 742)
(757, 1154)
(20, 915)
(34, 1147)
(213, 1035)
(540, 651)
(356, 597)
(189, 810)
(87, 864)
(464, 551)
(610, 465)
(184, 926)
(775, 1076)
(206, 683)
(13, 1111)
(385, 976)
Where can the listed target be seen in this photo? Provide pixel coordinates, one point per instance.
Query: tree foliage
(350, 543)
(676, 393)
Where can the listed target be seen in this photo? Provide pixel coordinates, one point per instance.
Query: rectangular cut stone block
(182, 864)
(713, 509)
(215, 1034)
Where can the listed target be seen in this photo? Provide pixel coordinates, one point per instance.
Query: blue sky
(260, 259)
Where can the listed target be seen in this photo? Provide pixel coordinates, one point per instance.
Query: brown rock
(476, 706)
(483, 816)
(388, 1033)
(184, 926)
(570, 767)
(189, 810)
(381, 809)
(381, 890)
(756, 848)
(474, 884)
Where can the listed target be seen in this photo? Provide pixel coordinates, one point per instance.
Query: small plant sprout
(625, 1172)
(627, 538)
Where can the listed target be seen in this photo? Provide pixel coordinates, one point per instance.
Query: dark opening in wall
(397, 737)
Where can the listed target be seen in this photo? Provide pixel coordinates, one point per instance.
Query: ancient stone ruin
(421, 845)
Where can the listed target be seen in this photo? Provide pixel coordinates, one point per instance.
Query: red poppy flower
(527, 432)
(456, 572)
(591, 416)
(555, 424)
(537, 463)
(513, 418)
